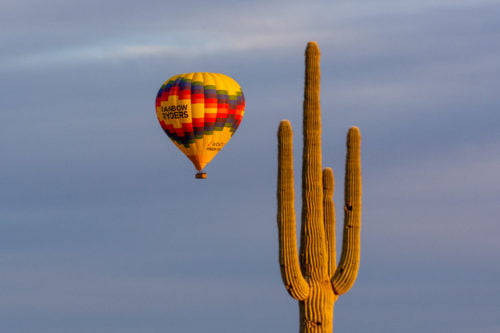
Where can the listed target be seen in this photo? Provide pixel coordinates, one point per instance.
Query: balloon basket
(201, 175)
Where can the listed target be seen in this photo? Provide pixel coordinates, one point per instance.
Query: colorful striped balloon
(200, 113)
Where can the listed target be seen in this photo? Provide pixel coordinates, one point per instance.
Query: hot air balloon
(200, 112)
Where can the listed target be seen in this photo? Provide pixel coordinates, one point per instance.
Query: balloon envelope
(200, 113)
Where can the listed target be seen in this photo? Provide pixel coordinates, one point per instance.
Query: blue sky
(103, 227)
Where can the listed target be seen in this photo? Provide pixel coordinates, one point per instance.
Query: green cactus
(313, 277)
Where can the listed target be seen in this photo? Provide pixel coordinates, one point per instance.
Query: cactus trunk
(316, 312)
(312, 276)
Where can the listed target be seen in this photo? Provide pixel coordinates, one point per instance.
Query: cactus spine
(313, 277)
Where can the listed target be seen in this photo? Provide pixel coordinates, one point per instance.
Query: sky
(103, 227)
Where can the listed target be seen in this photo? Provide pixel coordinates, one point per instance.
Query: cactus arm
(329, 219)
(313, 244)
(291, 273)
(348, 267)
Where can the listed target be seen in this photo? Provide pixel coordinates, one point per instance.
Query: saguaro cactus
(313, 277)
